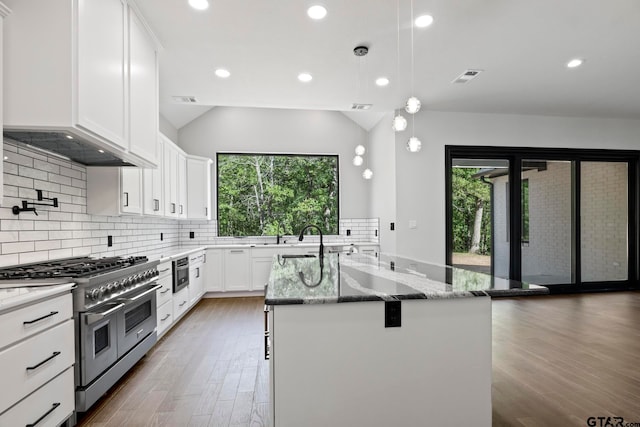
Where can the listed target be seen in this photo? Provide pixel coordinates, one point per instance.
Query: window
(269, 194)
(525, 211)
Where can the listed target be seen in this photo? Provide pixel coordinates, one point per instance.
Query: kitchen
(70, 230)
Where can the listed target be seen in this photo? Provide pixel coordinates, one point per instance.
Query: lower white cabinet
(37, 353)
(165, 317)
(196, 277)
(237, 269)
(214, 270)
(180, 303)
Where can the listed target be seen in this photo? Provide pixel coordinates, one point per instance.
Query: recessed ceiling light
(69, 136)
(199, 4)
(100, 151)
(382, 81)
(305, 77)
(575, 63)
(317, 12)
(423, 21)
(222, 73)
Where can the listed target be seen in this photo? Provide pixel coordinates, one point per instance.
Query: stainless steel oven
(180, 274)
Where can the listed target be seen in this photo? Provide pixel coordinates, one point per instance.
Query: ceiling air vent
(466, 76)
(185, 99)
(361, 106)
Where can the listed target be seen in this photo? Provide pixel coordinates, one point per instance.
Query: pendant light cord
(412, 53)
(398, 42)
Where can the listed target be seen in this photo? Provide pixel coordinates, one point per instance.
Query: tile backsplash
(68, 230)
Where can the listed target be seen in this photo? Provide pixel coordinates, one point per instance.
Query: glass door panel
(480, 215)
(547, 225)
(604, 220)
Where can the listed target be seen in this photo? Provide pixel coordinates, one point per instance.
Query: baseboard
(235, 294)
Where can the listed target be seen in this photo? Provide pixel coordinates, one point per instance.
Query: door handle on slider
(145, 293)
(94, 317)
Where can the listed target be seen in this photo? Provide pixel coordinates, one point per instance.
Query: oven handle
(94, 317)
(142, 294)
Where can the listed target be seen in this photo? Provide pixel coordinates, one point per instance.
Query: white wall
(167, 129)
(420, 176)
(382, 187)
(233, 129)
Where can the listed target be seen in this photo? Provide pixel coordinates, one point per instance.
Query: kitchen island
(381, 341)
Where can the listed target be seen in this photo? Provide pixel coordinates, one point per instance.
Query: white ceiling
(523, 47)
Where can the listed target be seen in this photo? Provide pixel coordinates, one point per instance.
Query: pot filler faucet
(320, 254)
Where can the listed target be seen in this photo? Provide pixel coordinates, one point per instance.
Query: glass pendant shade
(414, 145)
(399, 123)
(367, 174)
(413, 105)
(357, 161)
(360, 150)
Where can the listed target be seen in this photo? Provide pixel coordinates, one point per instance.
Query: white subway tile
(28, 257)
(46, 186)
(16, 224)
(63, 234)
(19, 159)
(7, 260)
(47, 245)
(11, 168)
(18, 181)
(11, 248)
(33, 235)
(9, 236)
(30, 172)
(60, 253)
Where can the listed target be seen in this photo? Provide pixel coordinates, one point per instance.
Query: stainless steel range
(114, 308)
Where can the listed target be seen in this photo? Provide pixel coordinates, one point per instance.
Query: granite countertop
(22, 292)
(357, 277)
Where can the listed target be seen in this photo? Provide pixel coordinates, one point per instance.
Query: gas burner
(69, 267)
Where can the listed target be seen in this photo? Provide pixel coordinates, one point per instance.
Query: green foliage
(468, 192)
(265, 195)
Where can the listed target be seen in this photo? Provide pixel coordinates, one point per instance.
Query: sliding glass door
(558, 217)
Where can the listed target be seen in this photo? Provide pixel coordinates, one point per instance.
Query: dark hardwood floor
(557, 360)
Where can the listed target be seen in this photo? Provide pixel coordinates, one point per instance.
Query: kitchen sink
(298, 256)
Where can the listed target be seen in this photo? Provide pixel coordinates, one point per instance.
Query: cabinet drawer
(33, 362)
(25, 322)
(164, 269)
(165, 293)
(55, 399)
(180, 303)
(165, 317)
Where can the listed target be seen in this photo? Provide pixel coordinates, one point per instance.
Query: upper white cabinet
(182, 186)
(114, 191)
(199, 187)
(153, 194)
(4, 11)
(170, 177)
(85, 67)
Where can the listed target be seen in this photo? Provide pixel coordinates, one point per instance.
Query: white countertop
(175, 252)
(14, 294)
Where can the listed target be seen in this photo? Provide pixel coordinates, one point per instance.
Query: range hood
(75, 149)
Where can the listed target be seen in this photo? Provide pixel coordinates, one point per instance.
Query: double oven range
(114, 308)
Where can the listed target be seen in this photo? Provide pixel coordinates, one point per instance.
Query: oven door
(180, 278)
(98, 341)
(137, 319)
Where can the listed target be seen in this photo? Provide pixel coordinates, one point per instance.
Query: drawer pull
(162, 271)
(236, 251)
(165, 317)
(165, 291)
(183, 303)
(31, 368)
(53, 408)
(28, 322)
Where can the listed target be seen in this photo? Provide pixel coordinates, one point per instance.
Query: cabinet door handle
(165, 317)
(206, 211)
(156, 205)
(173, 208)
(126, 199)
(53, 408)
(28, 322)
(180, 209)
(204, 258)
(197, 272)
(165, 291)
(54, 355)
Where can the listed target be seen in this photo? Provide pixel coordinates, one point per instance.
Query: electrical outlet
(348, 232)
(393, 226)
(161, 236)
(392, 265)
(109, 241)
(376, 233)
(192, 235)
(392, 314)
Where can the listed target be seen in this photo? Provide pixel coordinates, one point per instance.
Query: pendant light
(412, 105)
(399, 122)
(367, 174)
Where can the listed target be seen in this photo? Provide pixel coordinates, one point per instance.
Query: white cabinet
(237, 269)
(198, 187)
(86, 68)
(197, 270)
(180, 303)
(182, 186)
(114, 191)
(36, 363)
(4, 11)
(143, 91)
(261, 261)
(170, 177)
(152, 183)
(214, 270)
(164, 298)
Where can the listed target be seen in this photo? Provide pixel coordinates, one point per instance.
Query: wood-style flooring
(557, 360)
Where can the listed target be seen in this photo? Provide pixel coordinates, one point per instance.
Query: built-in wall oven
(180, 274)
